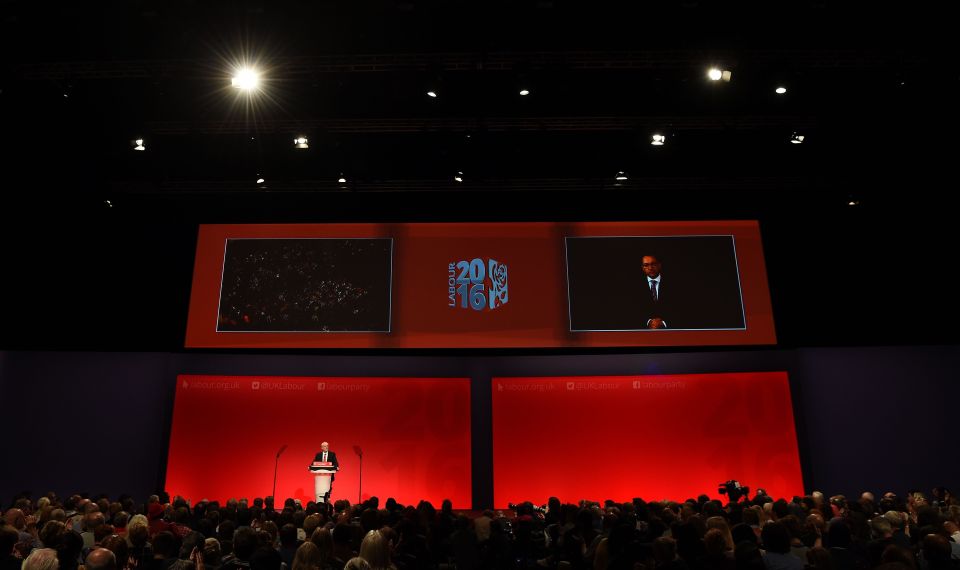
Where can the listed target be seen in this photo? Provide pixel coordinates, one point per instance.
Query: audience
(763, 533)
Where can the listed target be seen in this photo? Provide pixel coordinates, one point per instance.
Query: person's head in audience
(664, 550)
(138, 532)
(881, 528)
(792, 524)
(323, 540)
(93, 520)
(819, 558)
(936, 549)
(42, 559)
(817, 497)
(838, 534)
(893, 554)
(226, 530)
(720, 524)
(392, 538)
(743, 533)
(775, 538)
(266, 558)
(52, 533)
(896, 519)
(102, 532)
(165, 545)
(715, 543)
(101, 559)
(310, 524)
(356, 563)
(69, 550)
(307, 557)
(118, 545)
(9, 537)
(748, 556)
(288, 536)
(376, 550)
(121, 519)
(211, 552)
(244, 543)
(15, 518)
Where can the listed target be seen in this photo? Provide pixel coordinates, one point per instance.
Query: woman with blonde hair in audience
(375, 549)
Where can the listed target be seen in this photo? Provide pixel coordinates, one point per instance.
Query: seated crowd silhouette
(915, 532)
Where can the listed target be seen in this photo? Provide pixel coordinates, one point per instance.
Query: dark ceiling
(99, 238)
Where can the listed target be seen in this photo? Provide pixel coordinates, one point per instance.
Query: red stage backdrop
(414, 434)
(655, 437)
(476, 285)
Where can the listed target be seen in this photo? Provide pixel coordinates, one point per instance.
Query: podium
(322, 478)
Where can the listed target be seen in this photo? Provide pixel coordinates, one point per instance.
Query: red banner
(480, 285)
(655, 437)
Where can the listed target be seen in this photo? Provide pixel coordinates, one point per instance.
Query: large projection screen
(414, 434)
(479, 285)
(655, 437)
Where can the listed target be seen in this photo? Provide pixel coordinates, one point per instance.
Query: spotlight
(658, 140)
(524, 92)
(301, 142)
(432, 94)
(716, 74)
(260, 180)
(796, 139)
(458, 176)
(621, 175)
(246, 79)
(138, 145)
(781, 90)
(342, 179)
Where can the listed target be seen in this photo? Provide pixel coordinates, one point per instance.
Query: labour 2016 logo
(477, 284)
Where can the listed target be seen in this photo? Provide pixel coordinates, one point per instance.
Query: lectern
(322, 475)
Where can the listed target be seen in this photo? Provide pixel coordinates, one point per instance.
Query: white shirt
(650, 284)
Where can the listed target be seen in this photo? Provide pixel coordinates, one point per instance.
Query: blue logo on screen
(477, 284)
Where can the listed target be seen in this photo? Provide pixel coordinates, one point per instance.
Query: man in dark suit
(661, 308)
(326, 455)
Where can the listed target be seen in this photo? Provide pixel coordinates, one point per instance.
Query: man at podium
(324, 463)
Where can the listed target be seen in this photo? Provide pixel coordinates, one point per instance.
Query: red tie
(653, 290)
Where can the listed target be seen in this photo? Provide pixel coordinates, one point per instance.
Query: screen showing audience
(654, 437)
(413, 433)
(318, 285)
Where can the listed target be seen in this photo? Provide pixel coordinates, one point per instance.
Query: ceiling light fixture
(246, 79)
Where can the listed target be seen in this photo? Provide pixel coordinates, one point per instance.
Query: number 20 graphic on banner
(471, 276)
(472, 284)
